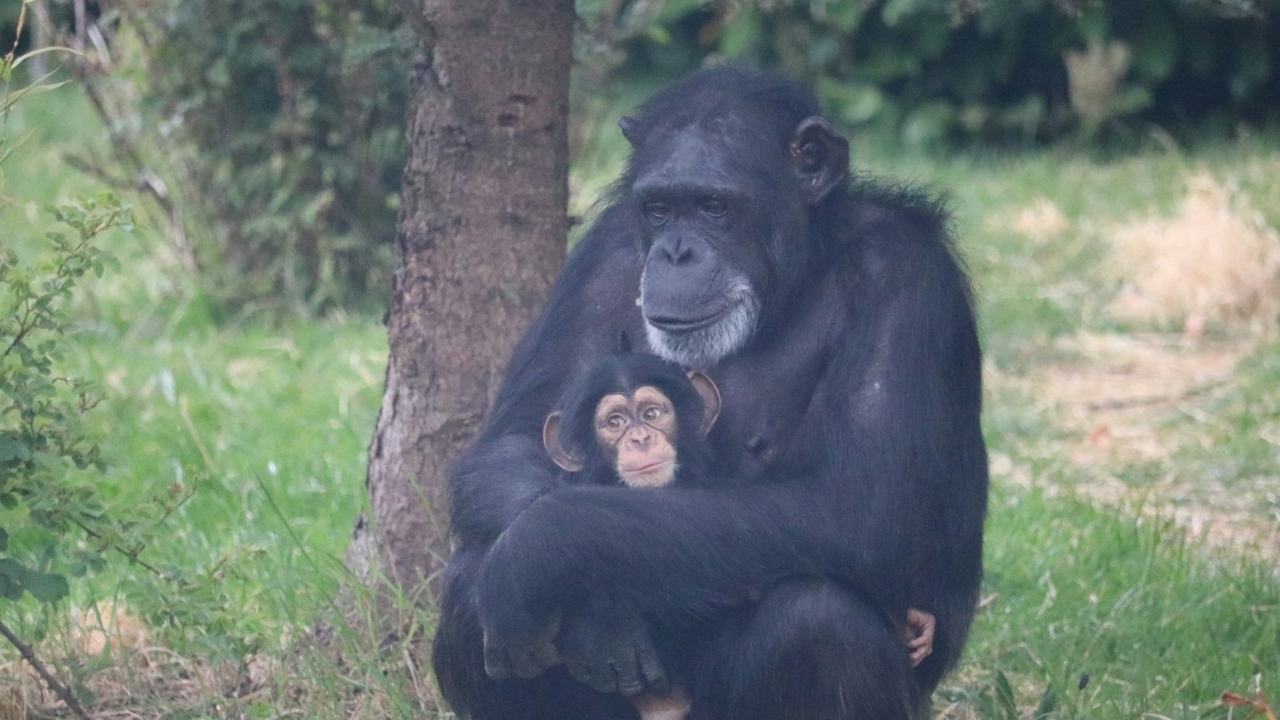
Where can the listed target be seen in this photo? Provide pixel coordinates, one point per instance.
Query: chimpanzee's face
(706, 263)
(725, 210)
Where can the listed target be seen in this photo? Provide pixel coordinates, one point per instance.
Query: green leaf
(9, 589)
(741, 32)
(852, 103)
(1047, 705)
(895, 11)
(1004, 696)
(1155, 47)
(844, 16)
(928, 124)
(47, 587)
(11, 575)
(12, 447)
(4, 540)
(676, 9)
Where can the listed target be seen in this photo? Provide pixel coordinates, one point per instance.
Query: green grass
(268, 426)
(1156, 627)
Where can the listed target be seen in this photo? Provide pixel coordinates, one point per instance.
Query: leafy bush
(42, 434)
(295, 110)
(1006, 70)
(41, 430)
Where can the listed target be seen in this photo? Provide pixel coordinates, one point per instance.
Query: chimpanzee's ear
(820, 156)
(630, 129)
(551, 441)
(710, 399)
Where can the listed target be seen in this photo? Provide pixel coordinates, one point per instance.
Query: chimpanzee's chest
(767, 400)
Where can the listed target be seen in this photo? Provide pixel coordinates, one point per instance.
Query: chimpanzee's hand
(522, 649)
(518, 606)
(606, 645)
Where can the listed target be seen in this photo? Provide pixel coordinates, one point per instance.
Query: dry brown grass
(1215, 261)
(132, 675)
(107, 625)
(1040, 222)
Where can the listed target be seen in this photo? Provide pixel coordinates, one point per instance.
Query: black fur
(854, 471)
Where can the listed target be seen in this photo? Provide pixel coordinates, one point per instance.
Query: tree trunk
(481, 233)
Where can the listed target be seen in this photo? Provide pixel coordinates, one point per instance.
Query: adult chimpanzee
(836, 321)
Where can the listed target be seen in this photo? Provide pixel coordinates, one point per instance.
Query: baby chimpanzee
(643, 421)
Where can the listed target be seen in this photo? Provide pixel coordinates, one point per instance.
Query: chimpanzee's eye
(713, 207)
(615, 422)
(657, 210)
(651, 413)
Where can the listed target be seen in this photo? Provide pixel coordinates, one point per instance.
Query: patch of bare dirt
(1115, 396)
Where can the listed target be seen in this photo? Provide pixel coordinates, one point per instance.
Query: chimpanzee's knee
(809, 649)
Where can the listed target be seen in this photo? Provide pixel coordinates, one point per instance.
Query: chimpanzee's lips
(679, 325)
(644, 469)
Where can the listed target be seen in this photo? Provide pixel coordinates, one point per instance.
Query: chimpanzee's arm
(590, 307)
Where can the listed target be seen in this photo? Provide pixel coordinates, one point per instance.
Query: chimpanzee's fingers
(545, 655)
(628, 668)
(655, 677)
(603, 678)
(496, 664)
(579, 669)
(919, 655)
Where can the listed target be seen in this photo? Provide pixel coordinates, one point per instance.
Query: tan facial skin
(641, 430)
(638, 431)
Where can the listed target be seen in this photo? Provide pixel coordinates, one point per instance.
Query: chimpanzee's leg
(809, 649)
(458, 658)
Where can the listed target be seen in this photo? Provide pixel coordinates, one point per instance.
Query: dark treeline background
(271, 131)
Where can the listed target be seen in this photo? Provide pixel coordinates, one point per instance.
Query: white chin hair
(707, 346)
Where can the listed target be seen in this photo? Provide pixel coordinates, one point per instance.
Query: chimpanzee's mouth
(646, 469)
(680, 325)
(701, 341)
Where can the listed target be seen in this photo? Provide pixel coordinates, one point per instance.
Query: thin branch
(130, 554)
(23, 328)
(130, 155)
(62, 691)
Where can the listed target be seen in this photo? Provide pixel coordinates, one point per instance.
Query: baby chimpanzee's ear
(567, 460)
(710, 394)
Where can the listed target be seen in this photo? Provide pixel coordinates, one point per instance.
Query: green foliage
(1002, 70)
(295, 109)
(42, 430)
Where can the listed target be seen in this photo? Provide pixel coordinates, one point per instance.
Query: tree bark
(481, 234)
